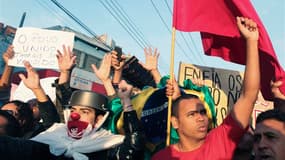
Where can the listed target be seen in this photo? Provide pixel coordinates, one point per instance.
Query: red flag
(216, 21)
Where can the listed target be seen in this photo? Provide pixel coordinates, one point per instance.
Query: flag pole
(171, 79)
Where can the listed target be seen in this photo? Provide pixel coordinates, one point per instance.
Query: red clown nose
(75, 116)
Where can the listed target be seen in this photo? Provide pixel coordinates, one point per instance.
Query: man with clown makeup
(82, 137)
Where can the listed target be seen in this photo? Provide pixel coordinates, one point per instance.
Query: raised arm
(124, 92)
(32, 81)
(7, 72)
(151, 61)
(134, 142)
(242, 109)
(66, 61)
(103, 73)
(47, 109)
(117, 66)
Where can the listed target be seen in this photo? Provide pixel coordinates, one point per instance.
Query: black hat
(89, 99)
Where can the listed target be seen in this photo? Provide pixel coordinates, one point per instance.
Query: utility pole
(22, 20)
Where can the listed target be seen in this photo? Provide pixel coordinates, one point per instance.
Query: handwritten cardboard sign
(225, 87)
(39, 47)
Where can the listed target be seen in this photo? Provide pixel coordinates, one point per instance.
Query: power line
(74, 18)
(167, 5)
(123, 21)
(114, 16)
(195, 47)
(163, 21)
(186, 42)
(130, 22)
(182, 35)
(191, 39)
(51, 10)
(86, 28)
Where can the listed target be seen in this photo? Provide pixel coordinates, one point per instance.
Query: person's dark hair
(271, 114)
(12, 128)
(279, 103)
(33, 102)
(99, 112)
(25, 115)
(133, 71)
(175, 104)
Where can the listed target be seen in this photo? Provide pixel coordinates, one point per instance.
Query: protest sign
(225, 87)
(39, 47)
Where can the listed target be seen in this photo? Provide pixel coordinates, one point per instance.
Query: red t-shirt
(220, 144)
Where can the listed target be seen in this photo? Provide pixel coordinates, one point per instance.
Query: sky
(152, 21)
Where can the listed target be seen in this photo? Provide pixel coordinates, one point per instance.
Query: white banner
(39, 47)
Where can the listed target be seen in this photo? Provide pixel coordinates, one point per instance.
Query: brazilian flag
(151, 106)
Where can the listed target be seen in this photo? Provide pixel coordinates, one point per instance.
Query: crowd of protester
(41, 131)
